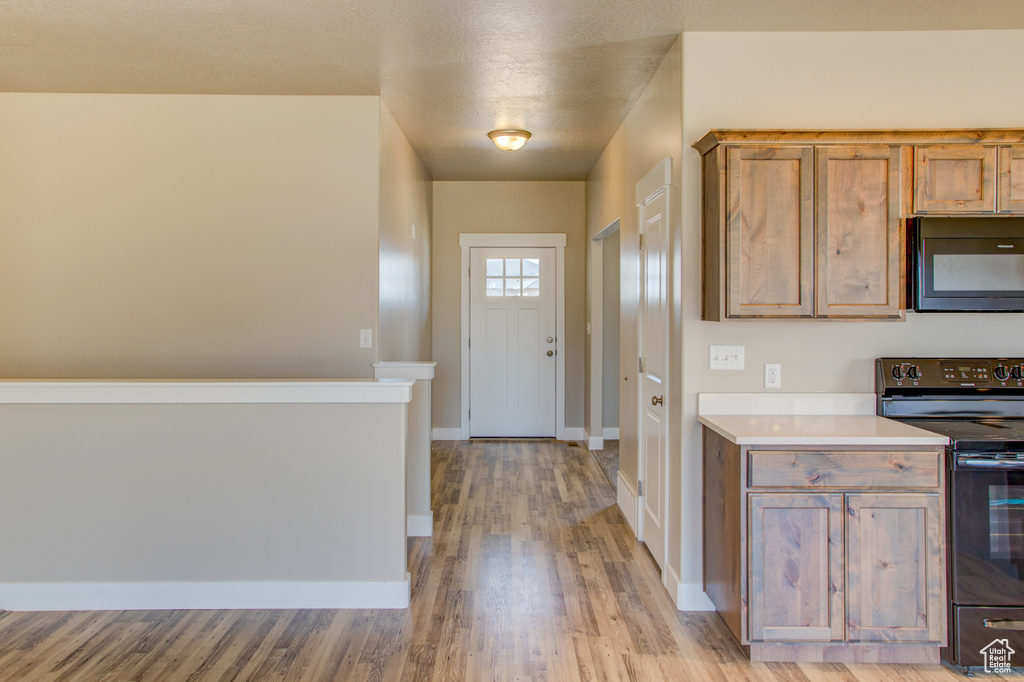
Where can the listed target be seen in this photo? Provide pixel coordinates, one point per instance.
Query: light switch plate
(365, 338)
(726, 357)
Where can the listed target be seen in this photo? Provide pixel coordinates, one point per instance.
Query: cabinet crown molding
(892, 137)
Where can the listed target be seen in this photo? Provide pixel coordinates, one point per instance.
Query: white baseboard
(226, 595)
(575, 433)
(611, 432)
(419, 525)
(445, 434)
(627, 500)
(687, 596)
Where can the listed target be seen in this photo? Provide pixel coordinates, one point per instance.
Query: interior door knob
(550, 353)
(657, 400)
(551, 339)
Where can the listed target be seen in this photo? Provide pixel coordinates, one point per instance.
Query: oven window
(1006, 523)
(978, 272)
(987, 537)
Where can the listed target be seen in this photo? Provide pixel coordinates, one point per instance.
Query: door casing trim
(556, 240)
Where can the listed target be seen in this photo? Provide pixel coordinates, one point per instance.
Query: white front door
(512, 343)
(653, 324)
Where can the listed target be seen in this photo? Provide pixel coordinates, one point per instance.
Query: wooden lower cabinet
(893, 553)
(831, 554)
(796, 567)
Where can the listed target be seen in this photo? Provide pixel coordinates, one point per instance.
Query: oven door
(987, 523)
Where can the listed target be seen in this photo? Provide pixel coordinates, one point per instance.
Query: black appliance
(979, 404)
(967, 264)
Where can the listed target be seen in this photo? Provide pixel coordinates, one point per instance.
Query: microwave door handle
(990, 464)
(1003, 624)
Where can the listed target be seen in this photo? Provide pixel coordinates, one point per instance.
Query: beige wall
(830, 80)
(477, 207)
(259, 492)
(650, 133)
(187, 236)
(405, 202)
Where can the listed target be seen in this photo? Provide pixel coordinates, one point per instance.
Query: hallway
(532, 574)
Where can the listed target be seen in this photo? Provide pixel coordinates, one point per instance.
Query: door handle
(1003, 624)
(551, 339)
(657, 400)
(550, 353)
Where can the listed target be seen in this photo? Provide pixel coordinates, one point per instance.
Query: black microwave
(967, 264)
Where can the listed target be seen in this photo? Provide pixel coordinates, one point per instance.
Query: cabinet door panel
(1011, 179)
(770, 236)
(859, 232)
(796, 568)
(954, 179)
(895, 572)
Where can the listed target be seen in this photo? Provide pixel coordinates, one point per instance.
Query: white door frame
(517, 240)
(658, 179)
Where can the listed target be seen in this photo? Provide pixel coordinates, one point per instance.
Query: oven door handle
(1003, 624)
(987, 463)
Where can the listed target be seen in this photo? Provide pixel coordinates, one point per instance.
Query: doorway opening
(603, 435)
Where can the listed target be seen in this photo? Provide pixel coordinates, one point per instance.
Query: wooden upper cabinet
(1011, 179)
(769, 232)
(796, 568)
(894, 592)
(954, 179)
(859, 232)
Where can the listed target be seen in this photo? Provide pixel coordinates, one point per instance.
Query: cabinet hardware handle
(657, 400)
(1003, 624)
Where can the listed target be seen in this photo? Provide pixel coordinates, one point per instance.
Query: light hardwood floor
(531, 574)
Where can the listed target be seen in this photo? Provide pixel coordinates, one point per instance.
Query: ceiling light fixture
(509, 140)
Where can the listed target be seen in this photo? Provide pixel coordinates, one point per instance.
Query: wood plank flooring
(531, 575)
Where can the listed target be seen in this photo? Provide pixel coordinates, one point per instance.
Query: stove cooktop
(978, 435)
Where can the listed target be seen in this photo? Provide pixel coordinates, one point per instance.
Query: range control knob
(913, 372)
(1001, 373)
(1016, 372)
(897, 373)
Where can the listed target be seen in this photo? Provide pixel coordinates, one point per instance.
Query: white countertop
(208, 392)
(818, 430)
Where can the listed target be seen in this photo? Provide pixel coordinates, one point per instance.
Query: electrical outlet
(772, 375)
(365, 338)
(725, 357)
(414, 232)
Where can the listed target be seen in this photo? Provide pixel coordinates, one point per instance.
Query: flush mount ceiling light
(509, 140)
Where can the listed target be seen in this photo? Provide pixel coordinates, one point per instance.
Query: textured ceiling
(449, 70)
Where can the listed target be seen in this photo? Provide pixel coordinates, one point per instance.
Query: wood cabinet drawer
(843, 469)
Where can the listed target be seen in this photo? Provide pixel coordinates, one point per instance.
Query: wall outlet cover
(772, 375)
(726, 357)
(365, 338)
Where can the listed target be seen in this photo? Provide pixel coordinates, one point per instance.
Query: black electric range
(979, 404)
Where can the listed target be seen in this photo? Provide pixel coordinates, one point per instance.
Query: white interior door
(653, 325)
(512, 342)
